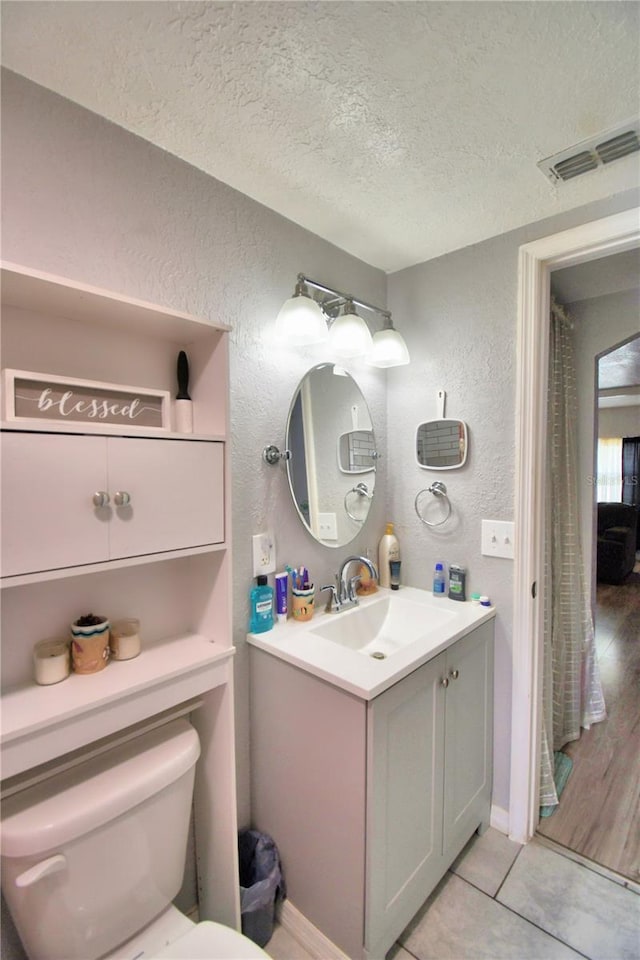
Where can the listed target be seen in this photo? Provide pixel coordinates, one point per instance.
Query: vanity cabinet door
(49, 520)
(468, 737)
(176, 493)
(404, 802)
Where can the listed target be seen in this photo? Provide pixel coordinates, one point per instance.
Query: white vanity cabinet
(161, 494)
(429, 764)
(371, 801)
(157, 548)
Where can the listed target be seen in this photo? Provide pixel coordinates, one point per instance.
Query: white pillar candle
(51, 661)
(125, 639)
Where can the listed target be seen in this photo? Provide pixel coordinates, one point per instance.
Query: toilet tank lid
(77, 801)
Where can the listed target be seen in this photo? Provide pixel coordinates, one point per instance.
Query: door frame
(536, 261)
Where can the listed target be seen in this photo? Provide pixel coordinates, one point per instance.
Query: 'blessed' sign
(33, 396)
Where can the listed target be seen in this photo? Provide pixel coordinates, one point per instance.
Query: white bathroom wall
(459, 315)
(84, 199)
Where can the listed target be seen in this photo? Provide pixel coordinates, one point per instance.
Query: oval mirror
(332, 468)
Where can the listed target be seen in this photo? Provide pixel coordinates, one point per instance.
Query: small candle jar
(51, 662)
(90, 645)
(125, 639)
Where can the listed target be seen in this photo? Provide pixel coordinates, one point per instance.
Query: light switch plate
(264, 553)
(498, 538)
(327, 526)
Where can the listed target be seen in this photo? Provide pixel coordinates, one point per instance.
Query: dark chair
(616, 549)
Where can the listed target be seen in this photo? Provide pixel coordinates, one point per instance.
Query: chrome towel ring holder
(438, 489)
(362, 490)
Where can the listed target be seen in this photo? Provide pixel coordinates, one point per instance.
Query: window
(609, 472)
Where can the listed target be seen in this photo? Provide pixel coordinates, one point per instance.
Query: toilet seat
(212, 941)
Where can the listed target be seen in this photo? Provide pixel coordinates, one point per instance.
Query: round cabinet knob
(454, 674)
(444, 682)
(122, 498)
(101, 498)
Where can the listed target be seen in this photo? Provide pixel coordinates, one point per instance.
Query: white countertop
(357, 672)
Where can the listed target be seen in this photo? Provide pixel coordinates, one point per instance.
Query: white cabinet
(429, 781)
(160, 551)
(372, 801)
(174, 493)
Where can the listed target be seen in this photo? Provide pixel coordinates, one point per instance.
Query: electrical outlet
(264, 553)
(498, 538)
(327, 526)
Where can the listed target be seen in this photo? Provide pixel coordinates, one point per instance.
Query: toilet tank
(94, 853)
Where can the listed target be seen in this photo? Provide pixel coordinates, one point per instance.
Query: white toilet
(93, 856)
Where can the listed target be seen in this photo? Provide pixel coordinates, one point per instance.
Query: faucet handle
(333, 603)
(353, 582)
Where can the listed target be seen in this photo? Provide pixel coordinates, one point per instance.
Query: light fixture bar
(339, 296)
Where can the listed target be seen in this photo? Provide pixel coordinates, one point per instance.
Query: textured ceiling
(398, 131)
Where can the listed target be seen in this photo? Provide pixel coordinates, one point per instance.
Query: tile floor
(502, 900)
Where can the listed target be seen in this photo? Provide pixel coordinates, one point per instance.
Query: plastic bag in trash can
(261, 884)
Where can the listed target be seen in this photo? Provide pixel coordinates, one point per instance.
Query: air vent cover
(593, 153)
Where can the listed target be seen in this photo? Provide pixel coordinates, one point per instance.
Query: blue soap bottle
(261, 598)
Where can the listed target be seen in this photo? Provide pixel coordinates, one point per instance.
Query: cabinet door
(404, 803)
(176, 491)
(48, 517)
(468, 737)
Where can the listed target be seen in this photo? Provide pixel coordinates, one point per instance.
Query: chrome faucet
(343, 592)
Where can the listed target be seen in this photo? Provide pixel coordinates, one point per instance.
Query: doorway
(598, 817)
(536, 262)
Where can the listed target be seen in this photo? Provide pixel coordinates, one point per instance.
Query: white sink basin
(368, 648)
(385, 627)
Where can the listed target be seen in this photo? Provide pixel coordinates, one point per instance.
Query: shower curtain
(571, 689)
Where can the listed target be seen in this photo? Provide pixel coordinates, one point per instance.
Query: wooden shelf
(40, 723)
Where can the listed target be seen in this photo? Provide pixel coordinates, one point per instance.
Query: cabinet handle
(444, 682)
(121, 498)
(454, 674)
(101, 498)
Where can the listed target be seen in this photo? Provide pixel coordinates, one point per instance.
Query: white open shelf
(113, 429)
(40, 723)
(58, 297)
(63, 573)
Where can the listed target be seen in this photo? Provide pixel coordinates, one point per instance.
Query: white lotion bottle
(388, 549)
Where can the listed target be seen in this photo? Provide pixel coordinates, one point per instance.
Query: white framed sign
(29, 396)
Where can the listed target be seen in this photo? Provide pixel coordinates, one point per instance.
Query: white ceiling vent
(593, 153)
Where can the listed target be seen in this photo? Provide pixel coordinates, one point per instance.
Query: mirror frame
(465, 435)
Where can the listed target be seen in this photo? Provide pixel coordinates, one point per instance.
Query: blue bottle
(439, 583)
(261, 598)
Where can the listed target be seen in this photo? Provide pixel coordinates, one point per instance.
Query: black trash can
(261, 884)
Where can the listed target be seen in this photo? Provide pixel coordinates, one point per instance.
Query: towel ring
(363, 491)
(438, 489)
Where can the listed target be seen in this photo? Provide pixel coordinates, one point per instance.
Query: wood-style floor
(599, 811)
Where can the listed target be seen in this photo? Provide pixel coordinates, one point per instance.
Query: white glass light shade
(349, 337)
(388, 350)
(301, 321)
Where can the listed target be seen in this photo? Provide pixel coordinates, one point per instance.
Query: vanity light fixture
(302, 318)
(388, 347)
(349, 335)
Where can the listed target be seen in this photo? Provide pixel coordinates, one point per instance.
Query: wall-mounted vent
(593, 153)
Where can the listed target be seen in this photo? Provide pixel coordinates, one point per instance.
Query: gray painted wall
(619, 421)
